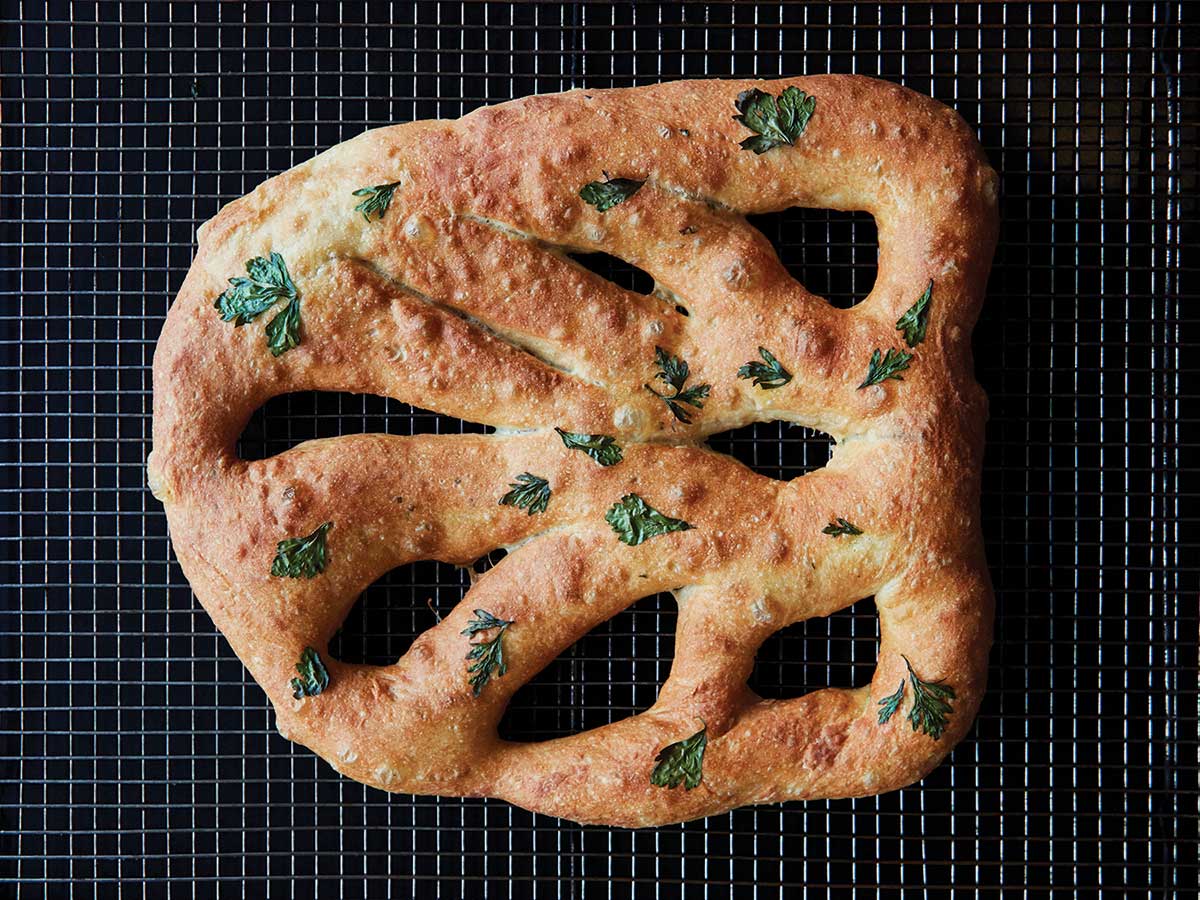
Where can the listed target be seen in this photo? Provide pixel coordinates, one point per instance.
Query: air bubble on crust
(868, 779)
(654, 328)
(664, 131)
(777, 546)
(347, 754)
(398, 354)
(873, 396)
(595, 310)
(873, 127)
(593, 233)
(155, 482)
(735, 275)
(760, 612)
(836, 153)
(627, 417)
(415, 227)
(385, 775)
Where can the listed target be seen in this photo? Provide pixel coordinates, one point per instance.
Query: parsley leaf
(604, 195)
(681, 762)
(889, 366)
(768, 374)
(528, 492)
(674, 371)
(775, 123)
(247, 298)
(482, 622)
(635, 521)
(840, 526)
(889, 704)
(488, 654)
(378, 200)
(283, 331)
(916, 319)
(931, 704)
(600, 447)
(313, 677)
(301, 557)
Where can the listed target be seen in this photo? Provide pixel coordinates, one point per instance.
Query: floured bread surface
(445, 282)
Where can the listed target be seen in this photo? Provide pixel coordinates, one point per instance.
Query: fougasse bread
(431, 262)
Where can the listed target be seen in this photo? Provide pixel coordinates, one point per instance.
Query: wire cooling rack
(135, 749)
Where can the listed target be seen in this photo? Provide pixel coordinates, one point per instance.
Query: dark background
(134, 747)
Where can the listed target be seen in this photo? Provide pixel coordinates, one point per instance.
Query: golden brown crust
(462, 300)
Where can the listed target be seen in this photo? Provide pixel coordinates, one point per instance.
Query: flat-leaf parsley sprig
(889, 704)
(840, 526)
(775, 122)
(528, 492)
(912, 326)
(600, 447)
(931, 706)
(634, 521)
(915, 320)
(302, 557)
(378, 199)
(681, 762)
(488, 653)
(606, 194)
(881, 367)
(768, 374)
(674, 371)
(313, 676)
(267, 281)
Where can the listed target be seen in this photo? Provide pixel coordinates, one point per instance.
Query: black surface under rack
(134, 747)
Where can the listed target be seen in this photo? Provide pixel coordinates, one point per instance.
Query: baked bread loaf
(428, 262)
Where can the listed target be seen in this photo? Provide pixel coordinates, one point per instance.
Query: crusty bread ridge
(461, 299)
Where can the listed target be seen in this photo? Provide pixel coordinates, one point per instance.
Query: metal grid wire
(136, 748)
